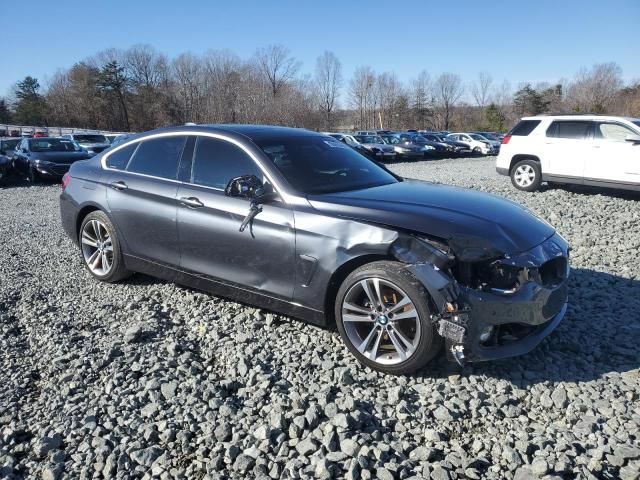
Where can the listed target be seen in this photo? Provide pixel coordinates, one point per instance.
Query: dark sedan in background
(46, 157)
(7, 149)
(300, 223)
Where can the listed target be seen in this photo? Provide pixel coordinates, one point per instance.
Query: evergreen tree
(30, 106)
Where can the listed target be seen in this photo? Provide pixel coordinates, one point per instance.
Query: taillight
(505, 140)
(66, 178)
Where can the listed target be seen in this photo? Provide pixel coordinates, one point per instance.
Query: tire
(32, 175)
(376, 336)
(526, 175)
(100, 248)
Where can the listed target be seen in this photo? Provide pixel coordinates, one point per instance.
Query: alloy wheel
(524, 175)
(381, 321)
(97, 247)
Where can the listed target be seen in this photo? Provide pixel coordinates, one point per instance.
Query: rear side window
(158, 157)
(524, 128)
(215, 162)
(119, 159)
(569, 129)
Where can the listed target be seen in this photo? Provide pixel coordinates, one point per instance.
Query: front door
(261, 258)
(612, 158)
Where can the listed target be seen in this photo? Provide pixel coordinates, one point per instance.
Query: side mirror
(633, 138)
(246, 186)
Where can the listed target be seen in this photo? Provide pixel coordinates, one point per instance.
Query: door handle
(191, 202)
(119, 185)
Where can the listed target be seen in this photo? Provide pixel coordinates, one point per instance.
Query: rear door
(566, 148)
(612, 158)
(141, 194)
(261, 257)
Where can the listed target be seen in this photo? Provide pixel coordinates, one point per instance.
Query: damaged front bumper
(489, 323)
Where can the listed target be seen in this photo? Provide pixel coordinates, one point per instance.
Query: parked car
(293, 221)
(430, 149)
(456, 147)
(46, 157)
(380, 150)
(121, 139)
(594, 150)
(7, 148)
(479, 147)
(351, 142)
(112, 136)
(494, 142)
(93, 143)
(366, 132)
(404, 150)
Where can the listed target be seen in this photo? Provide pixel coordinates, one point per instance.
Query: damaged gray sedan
(299, 223)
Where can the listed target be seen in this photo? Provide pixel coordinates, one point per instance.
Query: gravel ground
(148, 379)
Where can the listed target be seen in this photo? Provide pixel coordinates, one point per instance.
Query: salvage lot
(149, 377)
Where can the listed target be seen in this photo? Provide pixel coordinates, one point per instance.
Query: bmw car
(298, 223)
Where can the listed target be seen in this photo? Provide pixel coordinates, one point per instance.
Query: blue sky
(518, 41)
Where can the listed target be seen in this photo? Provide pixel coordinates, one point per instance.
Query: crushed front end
(497, 307)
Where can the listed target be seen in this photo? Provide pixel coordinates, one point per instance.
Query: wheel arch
(519, 157)
(339, 275)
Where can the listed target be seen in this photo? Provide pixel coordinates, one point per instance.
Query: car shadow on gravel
(590, 191)
(598, 336)
(17, 182)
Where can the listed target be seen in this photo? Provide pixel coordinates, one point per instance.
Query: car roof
(253, 132)
(583, 116)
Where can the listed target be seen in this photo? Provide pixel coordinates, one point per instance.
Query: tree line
(141, 88)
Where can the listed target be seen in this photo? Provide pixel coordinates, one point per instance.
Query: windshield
(323, 165)
(90, 139)
(419, 139)
(369, 139)
(53, 145)
(9, 144)
(489, 136)
(390, 139)
(475, 136)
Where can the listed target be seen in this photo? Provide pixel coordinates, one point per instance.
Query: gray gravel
(148, 379)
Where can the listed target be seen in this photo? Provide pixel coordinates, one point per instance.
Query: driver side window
(216, 161)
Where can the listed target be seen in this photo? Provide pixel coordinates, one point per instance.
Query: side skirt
(215, 287)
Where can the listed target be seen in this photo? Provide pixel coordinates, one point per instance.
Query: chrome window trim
(287, 198)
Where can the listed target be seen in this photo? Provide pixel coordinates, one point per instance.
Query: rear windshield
(9, 144)
(524, 127)
(53, 145)
(90, 139)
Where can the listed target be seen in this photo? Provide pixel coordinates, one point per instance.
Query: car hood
(59, 157)
(476, 225)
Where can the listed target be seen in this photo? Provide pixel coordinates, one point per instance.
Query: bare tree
(328, 80)
(448, 90)
(595, 89)
(421, 100)
(361, 93)
(277, 66)
(481, 89)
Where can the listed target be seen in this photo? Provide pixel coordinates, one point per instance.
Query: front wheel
(383, 316)
(526, 175)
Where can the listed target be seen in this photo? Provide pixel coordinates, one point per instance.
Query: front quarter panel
(324, 244)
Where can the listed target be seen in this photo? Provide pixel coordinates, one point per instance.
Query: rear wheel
(383, 316)
(526, 175)
(100, 248)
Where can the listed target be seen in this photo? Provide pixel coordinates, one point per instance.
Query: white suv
(584, 149)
